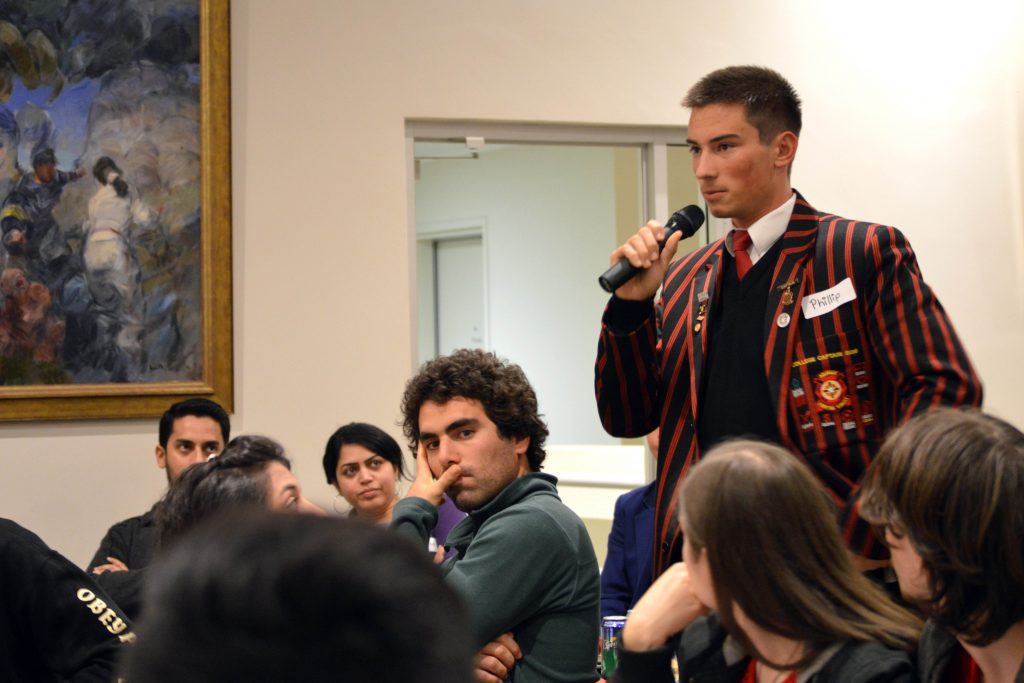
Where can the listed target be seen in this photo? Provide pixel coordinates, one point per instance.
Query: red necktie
(740, 242)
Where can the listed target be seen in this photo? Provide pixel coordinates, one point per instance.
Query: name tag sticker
(829, 300)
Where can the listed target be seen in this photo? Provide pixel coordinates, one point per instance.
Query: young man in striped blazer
(798, 327)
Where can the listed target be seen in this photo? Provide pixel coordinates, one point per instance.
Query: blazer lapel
(782, 313)
(706, 287)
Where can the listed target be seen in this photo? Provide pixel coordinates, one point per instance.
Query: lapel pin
(787, 292)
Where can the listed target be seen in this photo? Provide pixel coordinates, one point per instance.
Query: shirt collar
(767, 230)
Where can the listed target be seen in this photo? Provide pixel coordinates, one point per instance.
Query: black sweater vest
(736, 401)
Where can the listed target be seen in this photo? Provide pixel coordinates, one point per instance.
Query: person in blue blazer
(627, 566)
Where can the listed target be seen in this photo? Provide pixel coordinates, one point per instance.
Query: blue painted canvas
(100, 278)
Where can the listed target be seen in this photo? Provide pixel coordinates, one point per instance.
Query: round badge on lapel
(782, 320)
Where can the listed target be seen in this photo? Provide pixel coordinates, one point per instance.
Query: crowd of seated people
(767, 590)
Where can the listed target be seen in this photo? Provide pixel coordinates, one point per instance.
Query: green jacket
(525, 564)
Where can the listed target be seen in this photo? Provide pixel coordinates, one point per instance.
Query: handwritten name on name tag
(828, 300)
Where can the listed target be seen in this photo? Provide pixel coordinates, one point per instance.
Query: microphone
(686, 220)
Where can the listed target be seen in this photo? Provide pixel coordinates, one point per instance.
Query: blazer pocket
(831, 395)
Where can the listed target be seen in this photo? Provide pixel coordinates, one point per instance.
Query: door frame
(429, 234)
(652, 140)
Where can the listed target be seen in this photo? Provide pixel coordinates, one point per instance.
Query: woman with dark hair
(253, 471)
(947, 488)
(364, 464)
(767, 592)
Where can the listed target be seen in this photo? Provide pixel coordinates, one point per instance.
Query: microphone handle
(618, 275)
(686, 220)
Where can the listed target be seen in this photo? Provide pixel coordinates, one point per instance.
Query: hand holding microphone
(650, 253)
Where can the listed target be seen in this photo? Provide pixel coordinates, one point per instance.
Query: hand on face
(668, 606)
(425, 485)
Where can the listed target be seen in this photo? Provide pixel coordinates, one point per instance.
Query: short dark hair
(235, 478)
(501, 388)
(370, 437)
(259, 596)
(196, 407)
(771, 103)
(952, 481)
(806, 586)
(43, 157)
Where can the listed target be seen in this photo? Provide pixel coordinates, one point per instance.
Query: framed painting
(115, 257)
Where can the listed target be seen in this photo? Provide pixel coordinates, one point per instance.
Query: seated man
(190, 432)
(947, 488)
(56, 624)
(524, 561)
(253, 596)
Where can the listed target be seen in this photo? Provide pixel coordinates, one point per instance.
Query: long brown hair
(953, 480)
(773, 548)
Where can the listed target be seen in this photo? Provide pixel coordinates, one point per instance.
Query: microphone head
(687, 220)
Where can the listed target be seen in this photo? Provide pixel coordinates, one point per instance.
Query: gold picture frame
(70, 401)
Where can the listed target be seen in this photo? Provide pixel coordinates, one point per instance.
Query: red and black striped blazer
(839, 381)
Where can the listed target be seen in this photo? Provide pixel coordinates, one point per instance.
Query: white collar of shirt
(767, 230)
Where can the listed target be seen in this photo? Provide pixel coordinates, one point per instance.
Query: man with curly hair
(524, 564)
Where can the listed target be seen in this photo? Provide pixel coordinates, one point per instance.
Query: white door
(459, 293)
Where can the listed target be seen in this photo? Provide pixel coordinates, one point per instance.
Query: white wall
(913, 118)
(550, 220)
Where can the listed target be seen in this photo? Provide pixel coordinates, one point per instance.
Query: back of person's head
(771, 103)
(263, 597)
(195, 407)
(235, 478)
(370, 437)
(952, 482)
(773, 547)
(501, 388)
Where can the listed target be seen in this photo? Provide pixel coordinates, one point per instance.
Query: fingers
(449, 476)
(489, 668)
(509, 642)
(642, 249)
(502, 662)
(422, 464)
(118, 563)
(439, 554)
(482, 675)
(496, 659)
(671, 246)
(424, 485)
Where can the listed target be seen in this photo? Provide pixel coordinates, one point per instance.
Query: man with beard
(524, 563)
